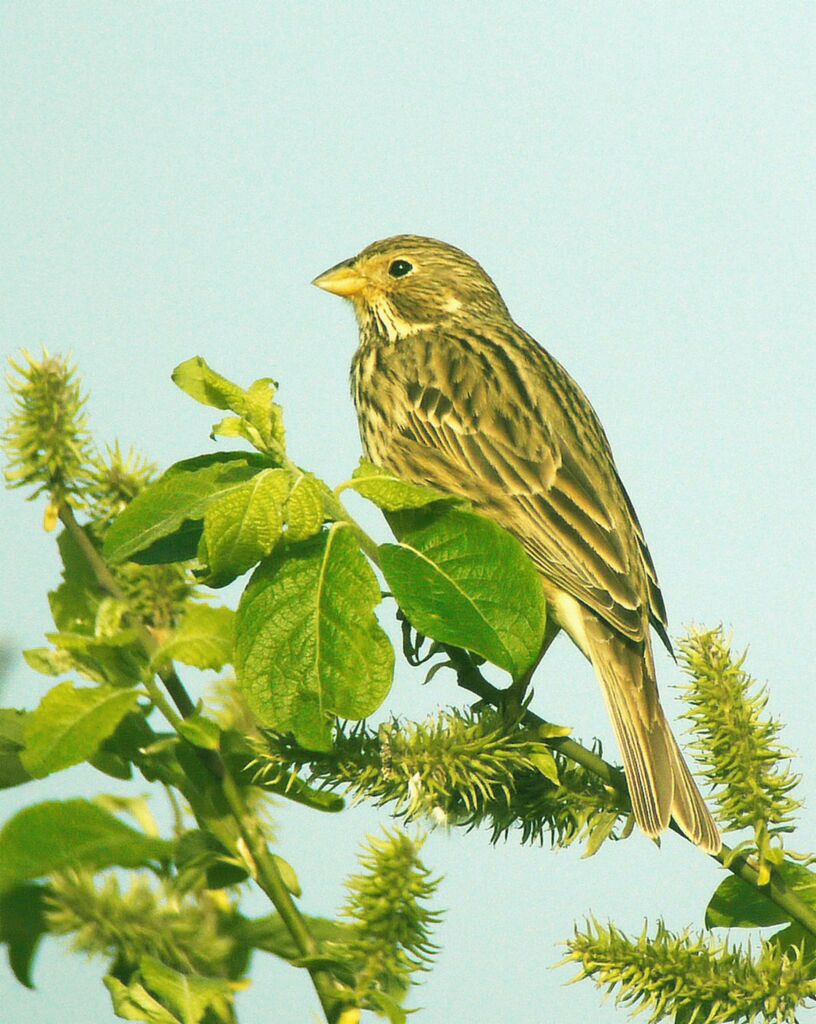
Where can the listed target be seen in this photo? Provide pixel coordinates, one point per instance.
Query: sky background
(638, 179)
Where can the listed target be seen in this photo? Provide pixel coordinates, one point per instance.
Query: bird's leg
(514, 695)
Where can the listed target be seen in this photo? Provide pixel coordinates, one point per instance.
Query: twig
(470, 678)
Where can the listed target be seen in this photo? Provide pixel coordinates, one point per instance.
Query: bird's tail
(660, 783)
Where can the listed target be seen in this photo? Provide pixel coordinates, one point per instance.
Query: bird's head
(407, 283)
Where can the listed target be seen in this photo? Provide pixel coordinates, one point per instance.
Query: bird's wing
(535, 458)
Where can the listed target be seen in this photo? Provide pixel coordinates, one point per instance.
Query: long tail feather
(660, 783)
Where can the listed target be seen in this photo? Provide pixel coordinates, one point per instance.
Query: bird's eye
(399, 268)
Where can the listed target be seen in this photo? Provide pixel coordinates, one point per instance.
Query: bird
(452, 393)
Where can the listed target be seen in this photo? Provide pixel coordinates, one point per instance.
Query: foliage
(311, 663)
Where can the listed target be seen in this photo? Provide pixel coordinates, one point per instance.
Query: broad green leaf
(796, 937)
(181, 546)
(271, 934)
(12, 744)
(736, 904)
(124, 747)
(70, 833)
(203, 638)
(389, 492)
(266, 415)
(49, 661)
(308, 646)
(89, 641)
(236, 426)
(136, 806)
(116, 660)
(262, 417)
(75, 601)
(462, 580)
(109, 622)
(196, 379)
(201, 732)
(200, 856)
(22, 925)
(189, 996)
(70, 723)
(180, 496)
(244, 525)
(305, 507)
(134, 1002)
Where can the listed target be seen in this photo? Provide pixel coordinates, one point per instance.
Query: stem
(470, 678)
(270, 880)
(267, 874)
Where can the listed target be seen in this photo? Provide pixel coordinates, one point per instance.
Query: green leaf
(289, 875)
(181, 495)
(271, 934)
(243, 526)
(115, 660)
(124, 746)
(74, 603)
(202, 856)
(58, 834)
(305, 509)
(12, 744)
(69, 725)
(189, 996)
(181, 546)
(736, 904)
(49, 661)
(308, 646)
(203, 638)
(796, 937)
(22, 925)
(196, 379)
(262, 418)
(137, 807)
(389, 492)
(550, 731)
(201, 732)
(602, 828)
(545, 762)
(462, 580)
(134, 1002)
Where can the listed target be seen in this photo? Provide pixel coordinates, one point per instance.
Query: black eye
(399, 268)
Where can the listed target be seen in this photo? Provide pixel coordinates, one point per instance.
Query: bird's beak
(341, 280)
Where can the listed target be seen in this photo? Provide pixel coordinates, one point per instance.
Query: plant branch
(471, 679)
(266, 871)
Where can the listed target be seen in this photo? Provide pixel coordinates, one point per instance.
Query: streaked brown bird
(451, 392)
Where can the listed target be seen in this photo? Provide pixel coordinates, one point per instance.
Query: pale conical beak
(341, 280)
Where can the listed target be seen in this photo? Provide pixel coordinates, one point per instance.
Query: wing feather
(543, 468)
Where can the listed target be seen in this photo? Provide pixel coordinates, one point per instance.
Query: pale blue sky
(637, 178)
